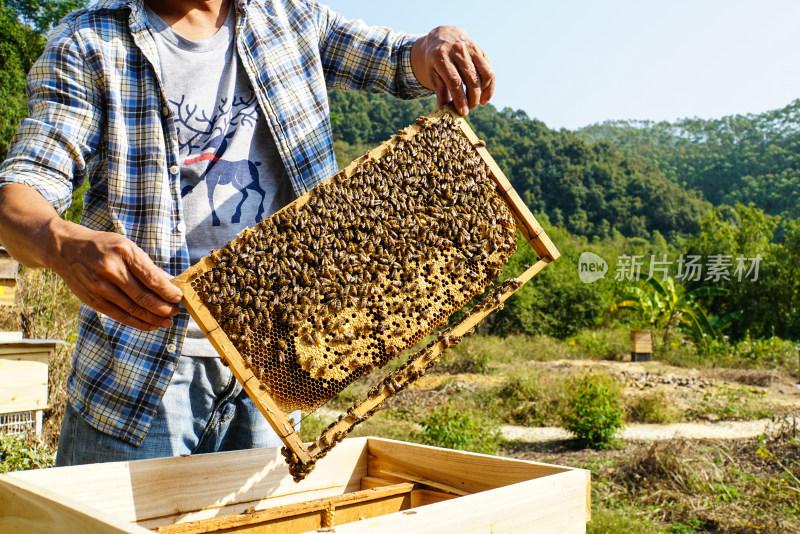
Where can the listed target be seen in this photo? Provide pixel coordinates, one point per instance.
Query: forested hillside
(588, 188)
(739, 158)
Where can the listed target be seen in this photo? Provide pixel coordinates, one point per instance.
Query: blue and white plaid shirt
(98, 112)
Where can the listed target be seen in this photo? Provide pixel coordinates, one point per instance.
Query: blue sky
(571, 63)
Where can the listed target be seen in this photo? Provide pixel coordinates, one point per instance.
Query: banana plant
(668, 307)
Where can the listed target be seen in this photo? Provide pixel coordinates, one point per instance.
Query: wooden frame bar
(526, 223)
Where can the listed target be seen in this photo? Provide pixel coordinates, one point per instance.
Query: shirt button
(174, 169)
(181, 227)
(165, 111)
(171, 348)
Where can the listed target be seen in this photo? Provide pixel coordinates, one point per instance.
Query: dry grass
(737, 486)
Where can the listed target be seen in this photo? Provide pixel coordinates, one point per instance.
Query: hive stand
(526, 224)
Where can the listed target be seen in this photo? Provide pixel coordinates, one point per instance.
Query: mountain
(752, 158)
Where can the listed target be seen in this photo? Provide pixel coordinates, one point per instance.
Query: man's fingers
(440, 88)
(152, 278)
(128, 307)
(486, 73)
(469, 75)
(449, 74)
(107, 307)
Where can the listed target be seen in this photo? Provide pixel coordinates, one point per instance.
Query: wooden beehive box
(368, 485)
(8, 278)
(23, 379)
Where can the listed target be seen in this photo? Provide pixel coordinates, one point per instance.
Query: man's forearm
(27, 224)
(105, 270)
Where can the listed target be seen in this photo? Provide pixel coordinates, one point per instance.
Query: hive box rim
(86, 495)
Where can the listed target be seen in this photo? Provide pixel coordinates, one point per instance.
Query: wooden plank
(466, 471)
(365, 499)
(166, 490)
(426, 481)
(36, 350)
(554, 503)
(9, 267)
(423, 497)
(27, 508)
(23, 386)
(8, 292)
(375, 482)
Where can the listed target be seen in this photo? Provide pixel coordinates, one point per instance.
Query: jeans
(203, 410)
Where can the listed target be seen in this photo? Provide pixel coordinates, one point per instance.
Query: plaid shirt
(98, 111)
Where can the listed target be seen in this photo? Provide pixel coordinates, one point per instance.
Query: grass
(739, 486)
(736, 403)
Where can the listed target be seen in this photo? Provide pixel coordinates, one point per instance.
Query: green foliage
(768, 301)
(739, 403)
(19, 48)
(666, 307)
(594, 411)
(20, 454)
(467, 362)
(557, 303)
(454, 428)
(587, 189)
(747, 353)
(528, 399)
(43, 14)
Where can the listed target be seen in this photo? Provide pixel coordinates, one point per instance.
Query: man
(191, 119)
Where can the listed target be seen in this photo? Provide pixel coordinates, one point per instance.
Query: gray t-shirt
(231, 173)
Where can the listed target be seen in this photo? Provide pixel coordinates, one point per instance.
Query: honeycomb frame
(300, 457)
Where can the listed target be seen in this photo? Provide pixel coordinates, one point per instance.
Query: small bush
(601, 344)
(528, 399)
(653, 408)
(457, 429)
(21, 454)
(594, 411)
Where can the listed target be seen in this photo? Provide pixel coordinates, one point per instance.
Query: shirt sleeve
(367, 58)
(50, 150)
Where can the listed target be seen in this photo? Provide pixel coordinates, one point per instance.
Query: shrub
(528, 399)
(457, 429)
(594, 411)
(653, 408)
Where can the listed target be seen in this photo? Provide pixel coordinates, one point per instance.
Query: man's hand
(105, 270)
(113, 276)
(448, 61)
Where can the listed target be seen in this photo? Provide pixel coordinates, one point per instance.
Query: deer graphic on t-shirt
(210, 144)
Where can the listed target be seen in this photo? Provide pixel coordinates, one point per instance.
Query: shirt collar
(137, 18)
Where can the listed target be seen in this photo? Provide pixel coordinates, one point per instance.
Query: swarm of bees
(371, 261)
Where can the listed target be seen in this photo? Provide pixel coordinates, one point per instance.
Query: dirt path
(643, 432)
